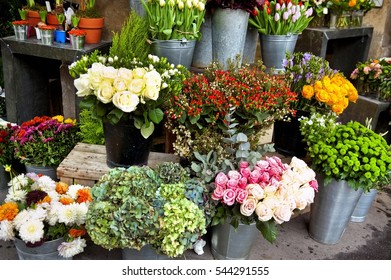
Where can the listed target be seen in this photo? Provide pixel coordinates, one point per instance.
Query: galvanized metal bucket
(250, 46)
(176, 51)
(46, 251)
(202, 56)
(47, 37)
(77, 42)
(44, 170)
(274, 49)
(228, 243)
(363, 206)
(145, 253)
(331, 211)
(20, 32)
(229, 28)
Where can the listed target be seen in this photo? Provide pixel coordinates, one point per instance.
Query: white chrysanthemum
(19, 182)
(68, 214)
(72, 190)
(54, 196)
(31, 231)
(52, 214)
(80, 213)
(70, 249)
(16, 196)
(6, 230)
(44, 183)
(22, 217)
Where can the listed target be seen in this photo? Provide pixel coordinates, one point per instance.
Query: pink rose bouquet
(267, 193)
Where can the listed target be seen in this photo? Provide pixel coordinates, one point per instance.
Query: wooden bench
(86, 163)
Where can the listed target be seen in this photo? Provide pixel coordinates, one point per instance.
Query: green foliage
(171, 173)
(350, 152)
(91, 129)
(131, 42)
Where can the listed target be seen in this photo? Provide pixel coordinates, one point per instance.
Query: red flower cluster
(77, 32)
(6, 147)
(258, 99)
(20, 22)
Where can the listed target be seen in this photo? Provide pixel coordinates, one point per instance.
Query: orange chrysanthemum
(84, 195)
(307, 92)
(66, 200)
(8, 211)
(61, 187)
(73, 232)
(46, 199)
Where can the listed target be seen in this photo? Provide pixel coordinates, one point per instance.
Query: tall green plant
(131, 41)
(91, 129)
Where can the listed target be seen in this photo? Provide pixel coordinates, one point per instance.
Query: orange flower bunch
(334, 91)
(77, 32)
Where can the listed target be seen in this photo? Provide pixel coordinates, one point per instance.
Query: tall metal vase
(228, 243)
(274, 48)
(363, 206)
(145, 253)
(250, 46)
(202, 56)
(229, 28)
(176, 51)
(331, 211)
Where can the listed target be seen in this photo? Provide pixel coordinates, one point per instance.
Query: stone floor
(368, 240)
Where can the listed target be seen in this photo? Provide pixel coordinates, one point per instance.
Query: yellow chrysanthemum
(307, 92)
(337, 108)
(69, 120)
(59, 118)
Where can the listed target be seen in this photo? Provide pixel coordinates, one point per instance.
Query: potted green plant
(43, 142)
(279, 24)
(349, 159)
(133, 100)
(91, 21)
(125, 214)
(174, 27)
(44, 218)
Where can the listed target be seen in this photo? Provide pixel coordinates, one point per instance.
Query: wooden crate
(86, 163)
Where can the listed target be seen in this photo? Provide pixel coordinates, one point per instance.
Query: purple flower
(309, 12)
(277, 17)
(285, 15)
(48, 139)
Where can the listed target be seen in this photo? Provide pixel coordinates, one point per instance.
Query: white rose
(138, 73)
(96, 69)
(153, 79)
(151, 93)
(270, 189)
(125, 73)
(272, 201)
(263, 212)
(248, 207)
(82, 84)
(110, 73)
(304, 197)
(136, 86)
(256, 191)
(105, 92)
(282, 213)
(121, 84)
(126, 101)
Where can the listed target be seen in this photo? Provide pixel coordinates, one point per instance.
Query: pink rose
(262, 164)
(314, 185)
(280, 163)
(255, 176)
(366, 70)
(245, 172)
(265, 177)
(248, 207)
(243, 164)
(241, 195)
(275, 171)
(233, 174)
(232, 184)
(242, 183)
(221, 179)
(229, 197)
(218, 193)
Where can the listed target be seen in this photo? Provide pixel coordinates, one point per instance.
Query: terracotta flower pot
(33, 19)
(52, 19)
(93, 27)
